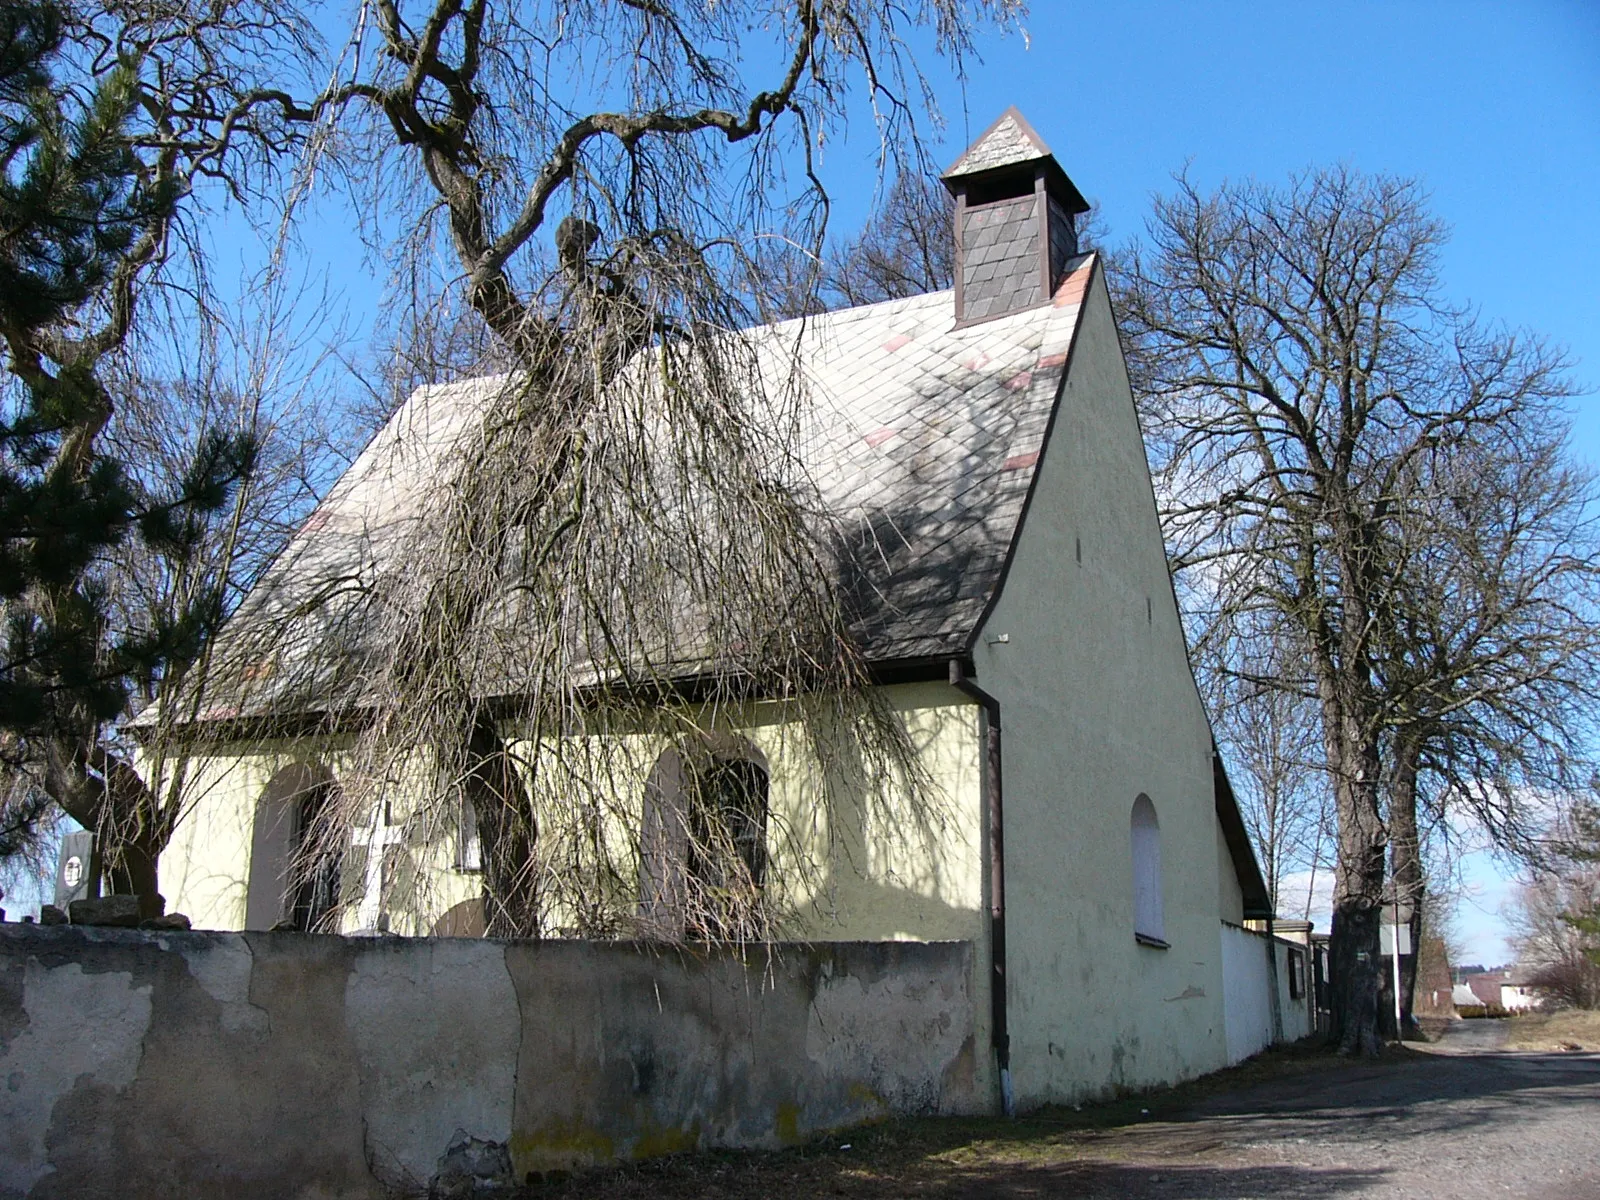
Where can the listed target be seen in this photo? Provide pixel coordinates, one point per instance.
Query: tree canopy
(1315, 410)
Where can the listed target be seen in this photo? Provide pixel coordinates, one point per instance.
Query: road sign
(1386, 939)
(76, 878)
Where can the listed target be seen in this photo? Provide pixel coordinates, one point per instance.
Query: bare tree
(1295, 364)
(260, 374)
(904, 250)
(629, 501)
(252, 375)
(1271, 736)
(1556, 932)
(181, 100)
(1489, 652)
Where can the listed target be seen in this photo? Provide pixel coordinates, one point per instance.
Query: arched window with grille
(1149, 924)
(318, 863)
(703, 845)
(294, 861)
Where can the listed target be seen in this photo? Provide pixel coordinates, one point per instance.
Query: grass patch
(1567, 1029)
(939, 1156)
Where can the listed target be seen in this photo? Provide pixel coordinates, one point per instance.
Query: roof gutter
(354, 718)
(999, 1035)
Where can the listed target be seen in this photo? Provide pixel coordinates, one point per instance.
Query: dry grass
(1568, 1029)
(950, 1157)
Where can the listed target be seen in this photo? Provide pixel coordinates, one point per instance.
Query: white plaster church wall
(1098, 706)
(881, 874)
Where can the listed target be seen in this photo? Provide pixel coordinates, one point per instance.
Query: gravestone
(76, 875)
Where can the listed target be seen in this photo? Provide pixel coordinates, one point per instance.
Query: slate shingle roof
(923, 443)
(1008, 141)
(1000, 257)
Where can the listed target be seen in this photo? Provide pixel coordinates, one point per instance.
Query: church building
(1023, 627)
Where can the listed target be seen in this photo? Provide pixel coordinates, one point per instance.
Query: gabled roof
(923, 441)
(1252, 887)
(1007, 142)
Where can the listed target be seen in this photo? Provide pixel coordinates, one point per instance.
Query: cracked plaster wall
(282, 1065)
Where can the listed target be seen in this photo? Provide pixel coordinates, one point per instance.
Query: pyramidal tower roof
(1008, 142)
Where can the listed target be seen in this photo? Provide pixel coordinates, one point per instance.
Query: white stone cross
(377, 837)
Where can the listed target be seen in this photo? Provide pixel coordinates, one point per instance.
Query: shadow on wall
(894, 868)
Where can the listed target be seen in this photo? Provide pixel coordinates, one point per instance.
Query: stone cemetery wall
(143, 1063)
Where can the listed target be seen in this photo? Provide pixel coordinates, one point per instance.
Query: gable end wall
(1098, 705)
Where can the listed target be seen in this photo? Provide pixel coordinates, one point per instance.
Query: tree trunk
(1355, 967)
(121, 811)
(507, 828)
(1405, 852)
(130, 869)
(507, 832)
(1358, 883)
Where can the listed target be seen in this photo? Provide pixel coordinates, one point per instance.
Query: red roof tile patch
(1051, 360)
(898, 340)
(1073, 287)
(977, 361)
(315, 521)
(1017, 461)
(879, 436)
(1019, 381)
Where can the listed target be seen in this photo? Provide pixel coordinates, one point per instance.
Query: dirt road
(1467, 1119)
(1463, 1118)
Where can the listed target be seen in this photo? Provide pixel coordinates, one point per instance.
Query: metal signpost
(1395, 940)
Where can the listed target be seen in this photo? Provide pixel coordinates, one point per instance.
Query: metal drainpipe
(998, 1033)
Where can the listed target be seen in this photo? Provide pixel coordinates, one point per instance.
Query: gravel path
(1466, 1120)
(1459, 1118)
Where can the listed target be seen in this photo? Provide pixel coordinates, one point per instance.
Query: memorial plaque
(76, 874)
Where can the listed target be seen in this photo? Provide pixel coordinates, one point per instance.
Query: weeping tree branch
(628, 506)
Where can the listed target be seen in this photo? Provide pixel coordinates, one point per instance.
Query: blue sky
(1494, 107)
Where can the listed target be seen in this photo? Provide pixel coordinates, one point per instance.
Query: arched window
(293, 878)
(728, 823)
(317, 863)
(703, 860)
(1145, 837)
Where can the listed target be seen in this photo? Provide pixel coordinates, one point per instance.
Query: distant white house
(1517, 994)
(1507, 987)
